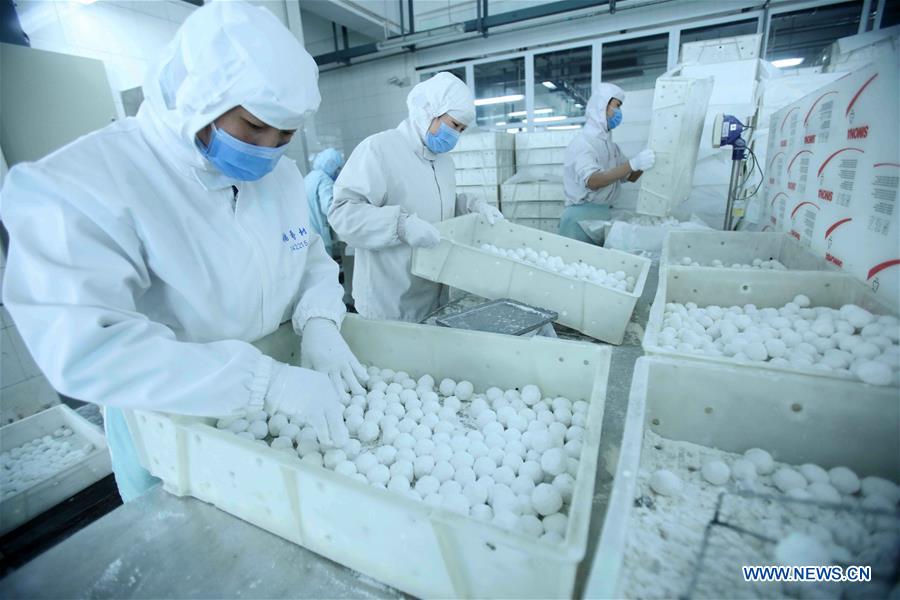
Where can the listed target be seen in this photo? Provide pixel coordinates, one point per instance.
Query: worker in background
(319, 192)
(595, 167)
(145, 257)
(395, 185)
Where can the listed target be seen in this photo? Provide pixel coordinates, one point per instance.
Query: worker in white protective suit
(595, 168)
(146, 257)
(319, 184)
(395, 185)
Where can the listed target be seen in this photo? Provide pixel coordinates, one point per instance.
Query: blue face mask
(613, 121)
(443, 140)
(239, 160)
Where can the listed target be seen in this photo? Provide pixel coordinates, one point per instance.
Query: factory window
(562, 85)
(458, 71)
(722, 30)
(891, 15)
(636, 63)
(499, 91)
(799, 38)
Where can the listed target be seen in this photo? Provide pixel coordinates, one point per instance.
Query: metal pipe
(412, 18)
(732, 192)
(402, 23)
(334, 37)
(346, 37)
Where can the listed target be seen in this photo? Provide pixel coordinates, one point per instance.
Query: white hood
(596, 108)
(443, 93)
(228, 53)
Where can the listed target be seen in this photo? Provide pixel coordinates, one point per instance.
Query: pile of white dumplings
(758, 263)
(509, 457)
(850, 342)
(678, 492)
(617, 280)
(40, 459)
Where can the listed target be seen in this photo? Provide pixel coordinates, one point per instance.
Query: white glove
(489, 212)
(311, 397)
(419, 233)
(322, 348)
(642, 161)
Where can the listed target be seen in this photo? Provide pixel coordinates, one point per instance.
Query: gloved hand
(322, 348)
(311, 397)
(419, 233)
(489, 212)
(643, 160)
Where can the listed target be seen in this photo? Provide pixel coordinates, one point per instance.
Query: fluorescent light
(549, 85)
(515, 130)
(786, 62)
(86, 2)
(579, 105)
(499, 123)
(550, 119)
(558, 127)
(499, 100)
(537, 111)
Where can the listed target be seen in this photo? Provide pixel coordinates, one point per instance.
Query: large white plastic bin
(597, 311)
(798, 419)
(741, 47)
(486, 193)
(707, 286)
(740, 247)
(424, 551)
(679, 110)
(485, 176)
(29, 503)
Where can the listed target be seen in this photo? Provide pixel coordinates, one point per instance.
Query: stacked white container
(541, 154)
(483, 161)
(537, 204)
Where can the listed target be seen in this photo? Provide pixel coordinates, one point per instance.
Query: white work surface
(163, 546)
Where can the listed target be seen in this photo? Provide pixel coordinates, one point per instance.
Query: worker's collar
(408, 130)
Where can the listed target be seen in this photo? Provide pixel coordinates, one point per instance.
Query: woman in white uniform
(147, 256)
(394, 186)
(595, 167)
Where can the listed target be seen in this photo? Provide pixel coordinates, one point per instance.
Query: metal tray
(500, 316)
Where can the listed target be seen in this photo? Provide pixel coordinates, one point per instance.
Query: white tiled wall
(358, 101)
(23, 389)
(126, 35)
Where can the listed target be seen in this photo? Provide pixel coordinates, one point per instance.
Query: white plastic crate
(597, 311)
(549, 225)
(679, 108)
(734, 410)
(29, 503)
(487, 193)
(739, 247)
(483, 159)
(424, 551)
(486, 176)
(538, 190)
(736, 81)
(533, 209)
(490, 140)
(707, 286)
(545, 139)
(526, 157)
(741, 47)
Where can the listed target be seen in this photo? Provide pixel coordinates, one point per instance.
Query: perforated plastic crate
(595, 310)
(737, 287)
(425, 551)
(679, 110)
(42, 496)
(734, 410)
(740, 247)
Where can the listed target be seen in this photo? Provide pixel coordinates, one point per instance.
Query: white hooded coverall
(388, 176)
(137, 273)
